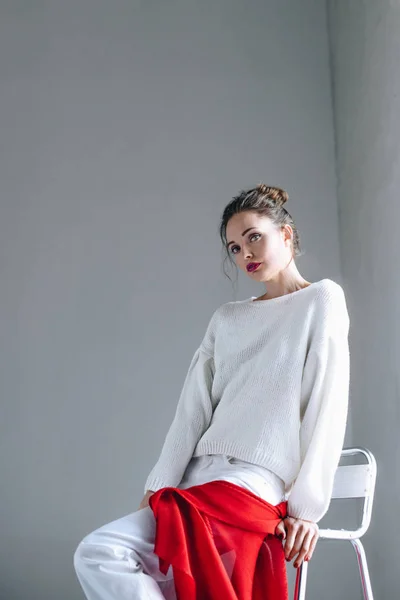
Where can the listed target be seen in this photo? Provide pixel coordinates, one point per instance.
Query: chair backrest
(354, 481)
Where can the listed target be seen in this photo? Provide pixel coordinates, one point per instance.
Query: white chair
(351, 481)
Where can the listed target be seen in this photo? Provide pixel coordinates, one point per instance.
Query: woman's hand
(301, 537)
(145, 500)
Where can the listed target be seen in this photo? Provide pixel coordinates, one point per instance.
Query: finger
(289, 540)
(304, 550)
(312, 545)
(300, 535)
(280, 530)
(291, 531)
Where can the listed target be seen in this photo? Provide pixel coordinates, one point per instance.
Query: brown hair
(266, 201)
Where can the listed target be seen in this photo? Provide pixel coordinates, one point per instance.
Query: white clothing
(260, 481)
(268, 385)
(117, 561)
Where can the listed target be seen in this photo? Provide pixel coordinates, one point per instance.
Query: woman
(263, 406)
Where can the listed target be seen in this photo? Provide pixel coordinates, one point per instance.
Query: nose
(247, 253)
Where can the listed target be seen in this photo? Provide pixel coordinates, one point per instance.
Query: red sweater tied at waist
(220, 540)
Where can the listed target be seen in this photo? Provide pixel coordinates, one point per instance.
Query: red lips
(252, 266)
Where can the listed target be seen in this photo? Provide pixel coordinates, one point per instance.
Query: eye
(256, 235)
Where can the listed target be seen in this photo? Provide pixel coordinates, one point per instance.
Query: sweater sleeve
(192, 417)
(324, 408)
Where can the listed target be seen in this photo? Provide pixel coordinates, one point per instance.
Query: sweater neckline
(278, 299)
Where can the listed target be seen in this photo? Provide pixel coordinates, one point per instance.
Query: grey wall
(125, 129)
(366, 57)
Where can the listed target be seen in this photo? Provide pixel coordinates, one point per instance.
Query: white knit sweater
(269, 384)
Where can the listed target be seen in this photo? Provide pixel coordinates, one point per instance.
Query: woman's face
(253, 238)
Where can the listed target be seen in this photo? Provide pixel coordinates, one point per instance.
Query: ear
(287, 234)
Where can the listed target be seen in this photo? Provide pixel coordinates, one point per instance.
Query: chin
(256, 274)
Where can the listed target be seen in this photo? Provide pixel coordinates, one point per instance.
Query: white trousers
(117, 561)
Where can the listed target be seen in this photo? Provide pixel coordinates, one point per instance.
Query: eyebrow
(244, 233)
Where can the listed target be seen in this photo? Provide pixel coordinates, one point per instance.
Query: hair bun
(278, 195)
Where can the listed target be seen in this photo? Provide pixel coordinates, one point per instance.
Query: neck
(286, 281)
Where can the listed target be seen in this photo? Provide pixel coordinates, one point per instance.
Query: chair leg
(301, 580)
(363, 567)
